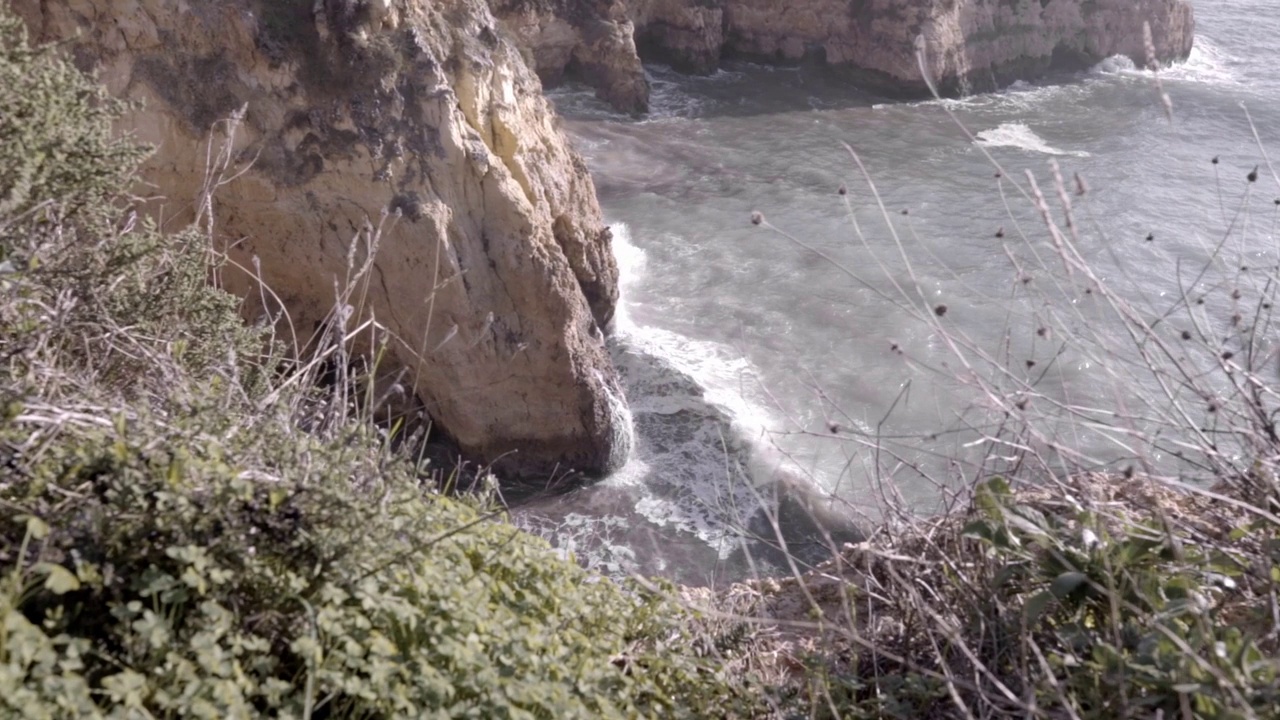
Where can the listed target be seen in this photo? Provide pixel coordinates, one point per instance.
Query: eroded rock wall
(494, 271)
(973, 45)
(686, 34)
(592, 40)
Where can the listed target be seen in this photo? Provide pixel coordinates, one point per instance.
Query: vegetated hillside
(194, 524)
(193, 527)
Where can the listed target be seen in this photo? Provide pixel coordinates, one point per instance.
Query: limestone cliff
(591, 40)
(974, 45)
(493, 271)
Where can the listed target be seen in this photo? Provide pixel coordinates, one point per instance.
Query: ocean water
(740, 348)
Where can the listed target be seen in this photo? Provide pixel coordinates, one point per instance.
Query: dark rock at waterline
(707, 490)
(801, 521)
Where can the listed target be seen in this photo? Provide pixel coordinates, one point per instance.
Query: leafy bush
(87, 285)
(1098, 596)
(172, 544)
(198, 569)
(1123, 608)
(56, 127)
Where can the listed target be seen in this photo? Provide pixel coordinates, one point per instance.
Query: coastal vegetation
(199, 520)
(193, 524)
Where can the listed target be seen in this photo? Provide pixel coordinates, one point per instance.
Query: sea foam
(1022, 137)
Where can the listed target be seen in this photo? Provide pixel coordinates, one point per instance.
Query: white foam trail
(1020, 95)
(673, 95)
(1116, 65)
(718, 369)
(1023, 96)
(1017, 135)
(1207, 64)
(696, 465)
(631, 262)
(953, 103)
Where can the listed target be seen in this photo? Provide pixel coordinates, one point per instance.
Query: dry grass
(926, 600)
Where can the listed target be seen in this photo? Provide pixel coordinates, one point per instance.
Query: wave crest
(1018, 135)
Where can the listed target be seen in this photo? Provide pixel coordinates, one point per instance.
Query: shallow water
(739, 348)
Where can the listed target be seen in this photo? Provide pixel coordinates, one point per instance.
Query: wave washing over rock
(686, 177)
(696, 499)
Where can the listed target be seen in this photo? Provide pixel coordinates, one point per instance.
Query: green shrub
(88, 287)
(196, 569)
(1123, 607)
(55, 125)
(1100, 597)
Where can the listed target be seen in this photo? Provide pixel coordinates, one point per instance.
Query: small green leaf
(60, 580)
(978, 529)
(1027, 523)
(37, 527)
(1004, 539)
(1067, 583)
(1035, 607)
(1007, 573)
(999, 487)
(989, 497)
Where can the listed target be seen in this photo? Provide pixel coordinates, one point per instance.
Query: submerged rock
(492, 271)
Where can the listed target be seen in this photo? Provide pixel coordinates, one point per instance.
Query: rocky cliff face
(973, 45)
(493, 271)
(591, 40)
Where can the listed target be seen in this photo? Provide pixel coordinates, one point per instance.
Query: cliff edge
(408, 138)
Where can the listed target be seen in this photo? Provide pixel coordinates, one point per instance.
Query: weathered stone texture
(495, 279)
(973, 45)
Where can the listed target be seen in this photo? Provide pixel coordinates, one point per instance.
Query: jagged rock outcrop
(973, 45)
(494, 271)
(687, 34)
(591, 40)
